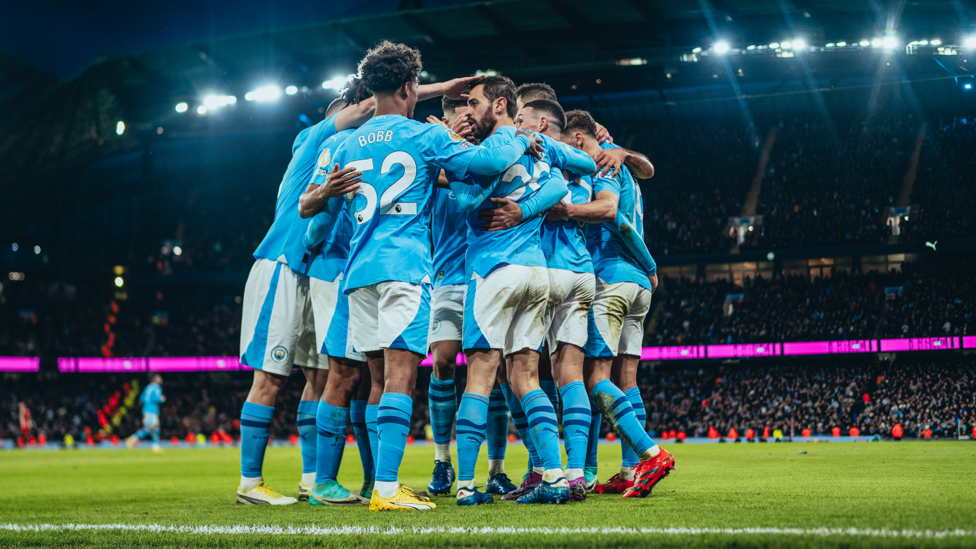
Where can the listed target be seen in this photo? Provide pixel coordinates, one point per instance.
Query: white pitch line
(210, 530)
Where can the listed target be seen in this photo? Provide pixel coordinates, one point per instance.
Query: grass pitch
(873, 494)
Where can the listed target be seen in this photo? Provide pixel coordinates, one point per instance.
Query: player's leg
(273, 320)
(472, 421)
(357, 416)
(647, 472)
(497, 437)
(623, 369)
(570, 298)
(308, 406)
(331, 421)
(142, 433)
(611, 305)
(442, 402)
(523, 339)
(400, 317)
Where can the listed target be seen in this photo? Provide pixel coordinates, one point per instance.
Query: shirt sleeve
(322, 223)
(449, 151)
(567, 158)
(553, 190)
(606, 184)
(635, 244)
(471, 191)
(322, 131)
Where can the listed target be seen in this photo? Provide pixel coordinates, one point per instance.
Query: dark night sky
(62, 36)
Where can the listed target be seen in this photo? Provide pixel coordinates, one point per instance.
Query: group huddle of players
(509, 230)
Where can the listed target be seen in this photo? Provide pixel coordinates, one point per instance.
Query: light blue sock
(471, 429)
(443, 405)
(141, 433)
(549, 388)
(255, 429)
(593, 446)
(392, 426)
(615, 406)
(629, 457)
(330, 423)
(307, 410)
(521, 424)
(155, 435)
(543, 428)
(576, 423)
(357, 416)
(497, 425)
(374, 439)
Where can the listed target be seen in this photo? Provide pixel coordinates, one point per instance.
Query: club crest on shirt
(279, 354)
(451, 195)
(324, 159)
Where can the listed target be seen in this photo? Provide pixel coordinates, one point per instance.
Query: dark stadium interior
(851, 172)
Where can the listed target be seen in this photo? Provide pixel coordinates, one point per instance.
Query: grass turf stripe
(511, 530)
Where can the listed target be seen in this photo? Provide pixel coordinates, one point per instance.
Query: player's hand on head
(535, 144)
(434, 120)
(340, 182)
(505, 215)
(602, 135)
(609, 162)
(454, 89)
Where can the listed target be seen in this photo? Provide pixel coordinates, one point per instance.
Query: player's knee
(443, 367)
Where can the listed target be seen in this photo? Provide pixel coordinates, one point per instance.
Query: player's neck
(552, 133)
(591, 147)
(391, 104)
(502, 122)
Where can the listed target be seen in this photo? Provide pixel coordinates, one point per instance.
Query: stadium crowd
(922, 302)
(920, 393)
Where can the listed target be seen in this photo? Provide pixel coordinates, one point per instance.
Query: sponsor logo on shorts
(279, 354)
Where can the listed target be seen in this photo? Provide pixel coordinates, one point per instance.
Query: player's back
(283, 242)
(330, 259)
(612, 260)
(449, 239)
(564, 242)
(391, 210)
(520, 245)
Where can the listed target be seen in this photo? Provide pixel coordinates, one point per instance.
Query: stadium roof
(49, 127)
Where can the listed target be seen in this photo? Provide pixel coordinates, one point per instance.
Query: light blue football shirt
(520, 245)
(331, 227)
(400, 160)
(151, 397)
(449, 237)
(283, 242)
(564, 242)
(613, 262)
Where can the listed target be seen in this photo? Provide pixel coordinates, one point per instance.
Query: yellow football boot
(262, 494)
(404, 499)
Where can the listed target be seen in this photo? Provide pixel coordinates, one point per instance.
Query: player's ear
(404, 91)
(543, 124)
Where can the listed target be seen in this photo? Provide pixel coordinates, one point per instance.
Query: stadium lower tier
(927, 395)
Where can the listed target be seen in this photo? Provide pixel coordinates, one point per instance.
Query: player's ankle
(573, 473)
(626, 473)
(442, 452)
(386, 489)
(495, 467)
(248, 483)
(308, 479)
(552, 475)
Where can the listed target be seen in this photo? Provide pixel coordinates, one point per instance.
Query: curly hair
(388, 66)
(352, 94)
(580, 121)
(532, 92)
(500, 86)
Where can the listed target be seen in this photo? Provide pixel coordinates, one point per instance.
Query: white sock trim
(308, 479)
(574, 473)
(387, 489)
(626, 473)
(442, 452)
(495, 467)
(552, 475)
(248, 484)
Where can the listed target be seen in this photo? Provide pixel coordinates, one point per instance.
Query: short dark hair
(531, 92)
(580, 121)
(500, 86)
(554, 111)
(451, 105)
(353, 93)
(388, 66)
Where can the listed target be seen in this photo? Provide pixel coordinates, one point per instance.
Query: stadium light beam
(936, 42)
(889, 42)
(201, 109)
(721, 47)
(181, 107)
(213, 102)
(119, 282)
(177, 250)
(970, 42)
(774, 46)
(799, 44)
(37, 250)
(264, 93)
(120, 127)
(291, 90)
(968, 86)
